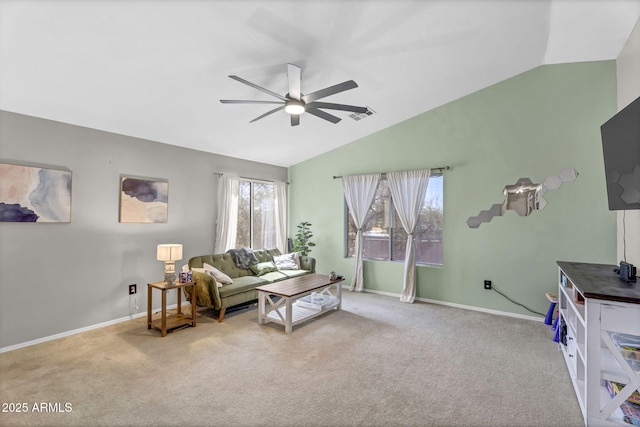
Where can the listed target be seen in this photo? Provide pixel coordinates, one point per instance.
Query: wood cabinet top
(163, 285)
(601, 282)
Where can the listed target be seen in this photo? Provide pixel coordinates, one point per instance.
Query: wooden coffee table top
(298, 285)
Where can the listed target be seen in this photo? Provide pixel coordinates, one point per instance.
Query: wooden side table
(172, 321)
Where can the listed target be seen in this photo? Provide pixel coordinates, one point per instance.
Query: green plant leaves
(302, 242)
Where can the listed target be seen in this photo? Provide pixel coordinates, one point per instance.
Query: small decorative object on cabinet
(186, 276)
(600, 317)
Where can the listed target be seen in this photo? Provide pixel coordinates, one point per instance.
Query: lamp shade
(169, 252)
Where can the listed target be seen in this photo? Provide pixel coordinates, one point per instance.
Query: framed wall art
(143, 200)
(34, 194)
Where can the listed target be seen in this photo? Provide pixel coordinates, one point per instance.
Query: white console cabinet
(600, 312)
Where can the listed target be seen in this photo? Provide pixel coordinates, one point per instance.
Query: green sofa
(243, 289)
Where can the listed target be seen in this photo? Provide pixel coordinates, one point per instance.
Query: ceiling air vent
(360, 116)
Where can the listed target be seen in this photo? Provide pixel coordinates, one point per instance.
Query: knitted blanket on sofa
(244, 258)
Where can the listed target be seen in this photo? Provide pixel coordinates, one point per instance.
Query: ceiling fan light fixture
(295, 102)
(294, 107)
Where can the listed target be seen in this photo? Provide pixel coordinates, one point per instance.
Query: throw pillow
(287, 261)
(263, 268)
(217, 274)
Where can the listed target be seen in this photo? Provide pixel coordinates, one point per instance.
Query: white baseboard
(462, 306)
(77, 331)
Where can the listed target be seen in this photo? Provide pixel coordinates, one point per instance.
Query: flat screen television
(621, 147)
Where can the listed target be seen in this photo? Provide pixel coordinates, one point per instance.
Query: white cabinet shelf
(595, 305)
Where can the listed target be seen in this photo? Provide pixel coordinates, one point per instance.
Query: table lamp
(169, 253)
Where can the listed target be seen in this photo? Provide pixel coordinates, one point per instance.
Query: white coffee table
(284, 311)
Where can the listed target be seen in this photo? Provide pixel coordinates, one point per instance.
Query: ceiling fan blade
(240, 101)
(294, 74)
(323, 115)
(267, 113)
(343, 107)
(331, 90)
(255, 86)
(295, 119)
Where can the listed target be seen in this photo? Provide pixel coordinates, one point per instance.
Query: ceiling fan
(296, 103)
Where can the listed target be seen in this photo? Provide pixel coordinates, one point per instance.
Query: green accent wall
(532, 125)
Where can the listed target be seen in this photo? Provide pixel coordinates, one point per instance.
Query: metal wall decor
(524, 197)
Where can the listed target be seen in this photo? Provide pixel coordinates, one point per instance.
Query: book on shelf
(614, 388)
(630, 409)
(631, 413)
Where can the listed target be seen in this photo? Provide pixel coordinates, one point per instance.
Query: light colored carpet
(378, 362)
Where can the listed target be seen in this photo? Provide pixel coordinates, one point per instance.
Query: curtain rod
(441, 168)
(250, 179)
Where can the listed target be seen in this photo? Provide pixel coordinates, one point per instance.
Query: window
(385, 239)
(256, 215)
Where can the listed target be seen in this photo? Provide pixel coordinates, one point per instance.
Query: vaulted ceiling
(156, 69)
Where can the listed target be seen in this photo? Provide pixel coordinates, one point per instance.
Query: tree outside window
(256, 215)
(385, 239)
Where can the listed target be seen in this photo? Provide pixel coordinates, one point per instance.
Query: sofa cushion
(240, 285)
(274, 276)
(262, 268)
(223, 262)
(293, 273)
(287, 261)
(226, 264)
(264, 255)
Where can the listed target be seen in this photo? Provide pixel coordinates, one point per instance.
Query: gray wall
(56, 278)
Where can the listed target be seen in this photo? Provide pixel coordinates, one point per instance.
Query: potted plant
(302, 242)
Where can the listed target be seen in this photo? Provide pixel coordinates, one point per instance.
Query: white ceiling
(156, 69)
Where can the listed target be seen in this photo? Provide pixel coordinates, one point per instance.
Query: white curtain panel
(268, 225)
(408, 190)
(281, 215)
(359, 191)
(227, 227)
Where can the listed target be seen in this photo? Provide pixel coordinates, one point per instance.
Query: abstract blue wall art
(143, 200)
(34, 194)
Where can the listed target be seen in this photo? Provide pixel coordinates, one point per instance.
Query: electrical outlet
(133, 289)
(487, 284)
